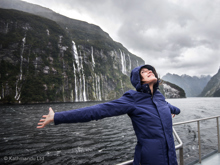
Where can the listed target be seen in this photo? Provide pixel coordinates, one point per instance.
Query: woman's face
(147, 76)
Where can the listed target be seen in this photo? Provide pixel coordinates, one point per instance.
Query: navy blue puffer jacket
(151, 119)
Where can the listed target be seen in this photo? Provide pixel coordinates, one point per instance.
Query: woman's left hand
(173, 115)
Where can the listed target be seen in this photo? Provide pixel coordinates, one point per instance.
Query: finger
(40, 126)
(44, 115)
(40, 123)
(42, 119)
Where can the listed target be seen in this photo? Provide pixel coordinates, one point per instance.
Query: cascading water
(48, 32)
(84, 88)
(76, 89)
(22, 51)
(137, 63)
(129, 62)
(18, 87)
(80, 95)
(71, 96)
(82, 80)
(98, 88)
(123, 62)
(93, 61)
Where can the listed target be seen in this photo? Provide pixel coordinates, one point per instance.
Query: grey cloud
(156, 29)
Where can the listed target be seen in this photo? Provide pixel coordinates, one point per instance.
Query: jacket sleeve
(123, 105)
(173, 109)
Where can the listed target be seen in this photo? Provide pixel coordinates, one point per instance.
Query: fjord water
(107, 141)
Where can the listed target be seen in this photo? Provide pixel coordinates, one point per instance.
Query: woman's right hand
(48, 119)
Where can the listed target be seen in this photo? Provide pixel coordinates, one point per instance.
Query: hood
(136, 80)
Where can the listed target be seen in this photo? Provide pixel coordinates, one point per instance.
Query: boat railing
(199, 138)
(180, 145)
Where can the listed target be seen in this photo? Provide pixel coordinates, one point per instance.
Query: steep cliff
(212, 89)
(193, 86)
(40, 61)
(170, 90)
(59, 59)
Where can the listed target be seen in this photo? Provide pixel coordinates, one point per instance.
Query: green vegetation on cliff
(39, 64)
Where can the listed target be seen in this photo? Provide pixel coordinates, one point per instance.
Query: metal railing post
(179, 147)
(218, 135)
(181, 156)
(199, 141)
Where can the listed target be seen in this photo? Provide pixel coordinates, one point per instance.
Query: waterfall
(84, 88)
(76, 90)
(93, 61)
(98, 88)
(18, 91)
(82, 80)
(123, 62)
(60, 39)
(71, 96)
(48, 32)
(80, 88)
(94, 87)
(22, 51)
(80, 85)
(129, 62)
(18, 87)
(75, 54)
(137, 63)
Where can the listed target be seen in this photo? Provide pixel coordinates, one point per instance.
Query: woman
(149, 112)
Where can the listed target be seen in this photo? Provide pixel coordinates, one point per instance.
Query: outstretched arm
(121, 106)
(48, 119)
(173, 109)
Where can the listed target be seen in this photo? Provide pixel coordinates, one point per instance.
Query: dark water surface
(107, 141)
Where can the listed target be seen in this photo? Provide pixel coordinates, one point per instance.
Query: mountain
(170, 90)
(193, 86)
(212, 89)
(40, 61)
(80, 32)
(47, 57)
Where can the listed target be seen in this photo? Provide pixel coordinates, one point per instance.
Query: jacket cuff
(178, 111)
(57, 118)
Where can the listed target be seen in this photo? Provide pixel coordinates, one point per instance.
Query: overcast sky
(176, 36)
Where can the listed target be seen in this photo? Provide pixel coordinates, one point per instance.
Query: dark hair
(149, 67)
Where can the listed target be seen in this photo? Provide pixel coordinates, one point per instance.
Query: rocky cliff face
(170, 90)
(42, 62)
(193, 86)
(52, 58)
(212, 89)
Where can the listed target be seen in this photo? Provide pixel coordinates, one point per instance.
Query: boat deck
(211, 160)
